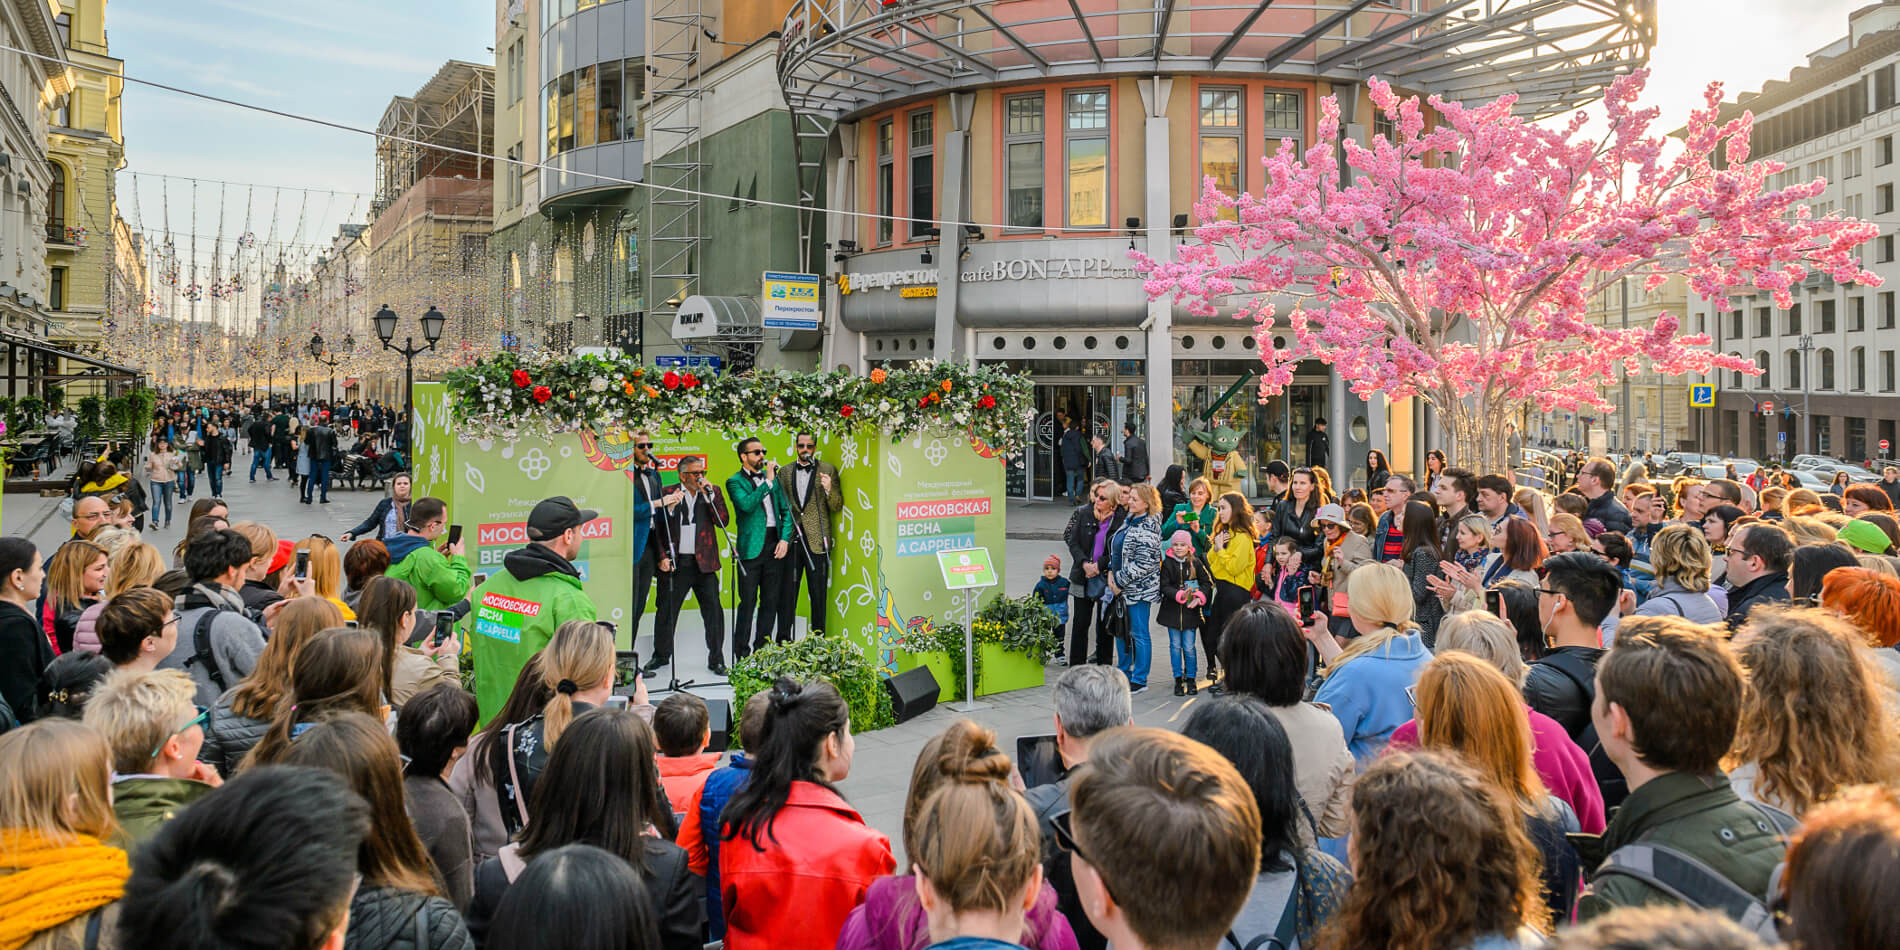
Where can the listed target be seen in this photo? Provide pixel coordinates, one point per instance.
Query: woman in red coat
(797, 858)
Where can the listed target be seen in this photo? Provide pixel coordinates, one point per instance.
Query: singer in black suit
(691, 529)
(816, 497)
(646, 481)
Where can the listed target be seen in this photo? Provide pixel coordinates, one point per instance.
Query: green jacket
(439, 580)
(516, 612)
(749, 501)
(1698, 815)
(144, 804)
(1183, 517)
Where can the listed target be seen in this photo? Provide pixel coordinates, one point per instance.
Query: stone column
(843, 346)
(1158, 221)
(952, 342)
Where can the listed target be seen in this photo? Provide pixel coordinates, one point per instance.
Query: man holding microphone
(695, 512)
(814, 497)
(763, 543)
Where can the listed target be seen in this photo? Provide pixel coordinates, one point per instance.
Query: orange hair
(1467, 706)
(1870, 599)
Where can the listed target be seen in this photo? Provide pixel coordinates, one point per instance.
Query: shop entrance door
(1104, 406)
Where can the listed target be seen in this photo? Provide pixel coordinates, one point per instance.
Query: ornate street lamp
(316, 353)
(431, 332)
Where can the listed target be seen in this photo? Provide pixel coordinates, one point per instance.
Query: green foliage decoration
(506, 396)
(835, 660)
(1023, 625)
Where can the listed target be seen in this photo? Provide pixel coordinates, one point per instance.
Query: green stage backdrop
(905, 500)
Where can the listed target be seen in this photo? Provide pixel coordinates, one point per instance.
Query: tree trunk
(1479, 441)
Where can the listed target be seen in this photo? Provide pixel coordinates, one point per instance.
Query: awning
(112, 370)
(723, 318)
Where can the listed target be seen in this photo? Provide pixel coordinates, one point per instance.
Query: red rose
(923, 403)
(671, 380)
(521, 379)
(987, 402)
(542, 394)
(846, 411)
(690, 380)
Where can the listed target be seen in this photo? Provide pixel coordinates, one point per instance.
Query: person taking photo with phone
(439, 573)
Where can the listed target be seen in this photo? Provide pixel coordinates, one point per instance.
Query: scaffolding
(441, 131)
(680, 28)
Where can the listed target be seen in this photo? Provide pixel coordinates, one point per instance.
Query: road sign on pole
(1767, 407)
(1701, 395)
(1782, 437)
(1885, 445)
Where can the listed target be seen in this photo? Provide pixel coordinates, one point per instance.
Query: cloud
(258, 41)
(201, 74)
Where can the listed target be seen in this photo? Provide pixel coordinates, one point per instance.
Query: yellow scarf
(48, 884)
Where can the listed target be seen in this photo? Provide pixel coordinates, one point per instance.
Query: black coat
(1135, 459)
(384, 918)
(1609, 512)
(1767, 589)
(1561, 684)
(229, 737)
(1175, 574)
(1288, 523)
(217, 450)
(1319, 448)
(24, 655)
(322, 442)
(676, 891)
(1079, 535)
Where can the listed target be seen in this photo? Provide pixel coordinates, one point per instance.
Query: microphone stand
(804, 547)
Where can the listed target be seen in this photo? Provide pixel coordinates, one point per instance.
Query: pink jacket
(891, 919)
(1560, 762)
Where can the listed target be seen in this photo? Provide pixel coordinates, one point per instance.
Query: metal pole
(1629, 444)
(409, 352)
(1807, 437)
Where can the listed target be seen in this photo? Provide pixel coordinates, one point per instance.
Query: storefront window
(567, 112)
(552, 111)
(1220, 139)
(608, 119)
(1267, 429)
(1023, 140)
(587, 106)
(1086, 145)
(1285, 119)
(923, 206)
(886, 180)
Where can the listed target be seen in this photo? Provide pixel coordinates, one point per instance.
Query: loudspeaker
(913, 693)
(719, 721)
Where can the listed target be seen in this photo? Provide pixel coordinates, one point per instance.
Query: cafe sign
(1056, 268)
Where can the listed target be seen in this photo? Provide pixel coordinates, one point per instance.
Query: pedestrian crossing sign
(1701, 395)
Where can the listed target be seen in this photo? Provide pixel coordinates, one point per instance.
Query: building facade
(990, 165)
(33, 89)
(86, 148)
(1827, 383)
(1656, 415)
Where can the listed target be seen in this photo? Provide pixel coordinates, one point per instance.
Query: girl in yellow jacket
(1231, 558)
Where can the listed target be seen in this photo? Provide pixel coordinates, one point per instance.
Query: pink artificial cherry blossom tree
(1457, 264)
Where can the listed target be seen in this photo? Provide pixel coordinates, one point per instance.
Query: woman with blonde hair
(326, 571)
(1367, 682)
(1802, 502)
(1474, 558)
(75, 580)
(243, 714)
(1440, 860)
(1567, 534)
(1230, 558)
(577, 667)
(1535, 507)
(134, 565)
(892, 917)
(1806, 530)
(56, 871)
(1682, 559)
(1812, 719)
(1467, 707)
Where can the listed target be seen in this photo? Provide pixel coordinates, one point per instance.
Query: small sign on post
(1885, 445)
(1782, 437)
(968, 569)
(1701, 395)
(1767, 407)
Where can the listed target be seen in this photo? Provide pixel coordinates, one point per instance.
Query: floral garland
(506, 397)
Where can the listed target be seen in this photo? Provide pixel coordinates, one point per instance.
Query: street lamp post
(316, 353)
(431, 332)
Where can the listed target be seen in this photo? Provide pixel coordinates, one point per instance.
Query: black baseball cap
(553, 516)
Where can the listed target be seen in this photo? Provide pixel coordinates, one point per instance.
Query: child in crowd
(1054, 591)
(1282, 579)
(681, 730)
(1187, 585)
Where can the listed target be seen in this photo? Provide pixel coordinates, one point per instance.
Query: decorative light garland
(507, 397)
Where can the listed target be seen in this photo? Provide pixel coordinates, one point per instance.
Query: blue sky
(340, 60)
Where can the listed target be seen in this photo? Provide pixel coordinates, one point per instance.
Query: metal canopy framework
(839, 58)
(450, 111)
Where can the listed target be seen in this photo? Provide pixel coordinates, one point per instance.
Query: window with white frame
(1085, 146)
(886, 180)
(1022, 156)
(1220, 128)
(1285, 120)
(923, 178)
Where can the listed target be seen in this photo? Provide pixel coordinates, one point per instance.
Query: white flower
(598, 384)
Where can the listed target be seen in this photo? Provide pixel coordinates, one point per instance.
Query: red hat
(284, 550)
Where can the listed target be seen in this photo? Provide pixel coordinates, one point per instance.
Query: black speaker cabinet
(912, 693)
(719, 721)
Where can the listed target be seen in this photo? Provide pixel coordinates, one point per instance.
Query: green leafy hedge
(835, 660)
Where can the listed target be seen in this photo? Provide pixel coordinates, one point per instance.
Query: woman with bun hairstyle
(893, 915)
(789, 838)
(577, 668)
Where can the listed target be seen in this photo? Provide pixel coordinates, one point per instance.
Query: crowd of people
(1450, 713)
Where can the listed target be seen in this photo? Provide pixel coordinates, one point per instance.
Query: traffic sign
(1701, 395)
(1767, 407)
(1885, 445)
(1782, 437)
(967, 568)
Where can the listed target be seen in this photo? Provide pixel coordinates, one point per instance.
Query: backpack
(1694, 883)
(201, 647)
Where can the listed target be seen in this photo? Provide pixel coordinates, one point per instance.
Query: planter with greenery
(1014, 639)
(89, 422)
(835, 660)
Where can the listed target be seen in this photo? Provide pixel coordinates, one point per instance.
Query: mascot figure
(1221, 465)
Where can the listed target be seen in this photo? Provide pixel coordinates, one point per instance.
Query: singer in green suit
(762, 509)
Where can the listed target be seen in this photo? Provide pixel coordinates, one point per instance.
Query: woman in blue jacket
(1368, 684)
